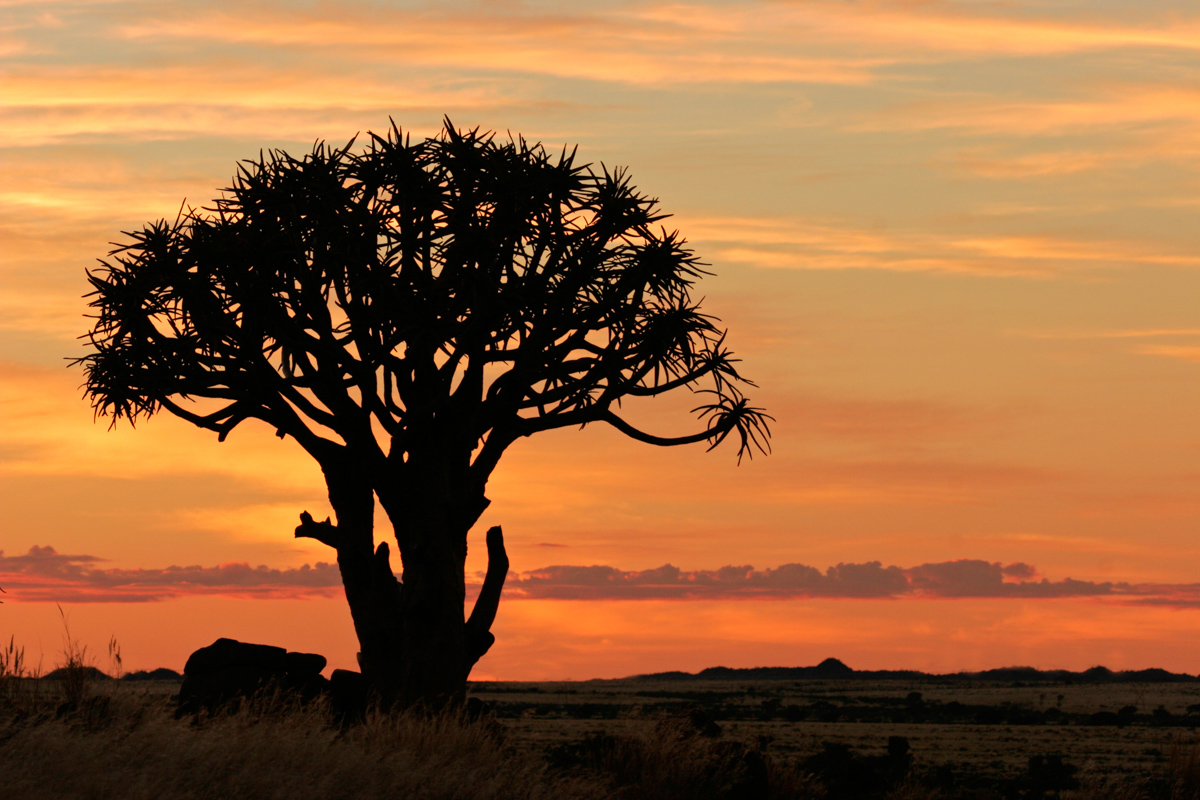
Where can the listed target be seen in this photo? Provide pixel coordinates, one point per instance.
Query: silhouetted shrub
(848, 775)
(794, 713)
(990, 716)
(1048, 775)
(593, 710)
(824, 711)
(1103, 718)
(770, 708)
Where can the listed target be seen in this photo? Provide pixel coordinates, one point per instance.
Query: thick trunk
(432, 518)
(433, 631)
(415, 645)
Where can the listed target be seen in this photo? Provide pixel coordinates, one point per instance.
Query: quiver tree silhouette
(405, 312)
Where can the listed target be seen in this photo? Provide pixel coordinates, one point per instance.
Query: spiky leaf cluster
(362, 298)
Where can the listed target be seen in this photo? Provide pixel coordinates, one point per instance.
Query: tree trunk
(415, 646)
(432, 519)
(434, 641)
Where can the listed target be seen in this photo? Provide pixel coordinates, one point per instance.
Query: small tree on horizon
(405, 313)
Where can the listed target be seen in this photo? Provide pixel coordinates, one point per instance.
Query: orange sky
(955, 244)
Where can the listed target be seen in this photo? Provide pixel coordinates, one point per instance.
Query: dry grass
(1178, 780)
(1183, 765)
(78, 734)
(118, 746)
(18, 682)
(122, 743)
(676, 762)
(76, 667)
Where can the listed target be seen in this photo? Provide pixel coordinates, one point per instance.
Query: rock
(225, 653)
(348, 694)
(304, 663)
(228, 670)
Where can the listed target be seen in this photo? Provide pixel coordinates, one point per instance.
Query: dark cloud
(1019, 570)
(973, 578)
(45, 575)
(962, 578)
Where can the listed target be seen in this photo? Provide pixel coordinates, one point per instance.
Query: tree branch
(682, 380)
(324, 532)
(624, 427)
(479, 626)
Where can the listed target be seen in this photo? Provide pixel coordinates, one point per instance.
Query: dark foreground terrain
(979, 737)
(728, 736)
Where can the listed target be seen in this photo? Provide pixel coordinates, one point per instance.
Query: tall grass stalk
(75, 674)
(12, 669)
(114, 656)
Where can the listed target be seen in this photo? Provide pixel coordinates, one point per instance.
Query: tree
(405, 313)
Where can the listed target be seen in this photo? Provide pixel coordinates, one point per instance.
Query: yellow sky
(955, 244)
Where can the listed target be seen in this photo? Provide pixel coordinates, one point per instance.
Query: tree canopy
(356, 300)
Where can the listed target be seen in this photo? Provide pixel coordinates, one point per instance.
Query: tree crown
(482, 289)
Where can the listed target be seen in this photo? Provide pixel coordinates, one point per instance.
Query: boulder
(227, 671)
(304, 663)
(230, 653)
(348, 695)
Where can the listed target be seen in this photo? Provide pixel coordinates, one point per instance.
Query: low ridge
(832, 668)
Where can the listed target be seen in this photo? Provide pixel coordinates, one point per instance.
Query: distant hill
(93, 674)
(89, 673)
(833, 669)
(160, 674)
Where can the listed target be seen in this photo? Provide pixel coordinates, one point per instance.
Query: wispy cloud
(1125, 333)
(562, 41)
(793, 244)
(621, 45)
(1115, 107)
(1182, 352)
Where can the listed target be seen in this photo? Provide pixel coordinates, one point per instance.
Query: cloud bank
(45, 575)
(948, 579)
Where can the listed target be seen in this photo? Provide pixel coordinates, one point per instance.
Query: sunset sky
(955, 243)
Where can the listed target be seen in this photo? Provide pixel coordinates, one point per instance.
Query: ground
(988, 729)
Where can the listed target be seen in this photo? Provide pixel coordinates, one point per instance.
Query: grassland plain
(983, 728)
(626, 739)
